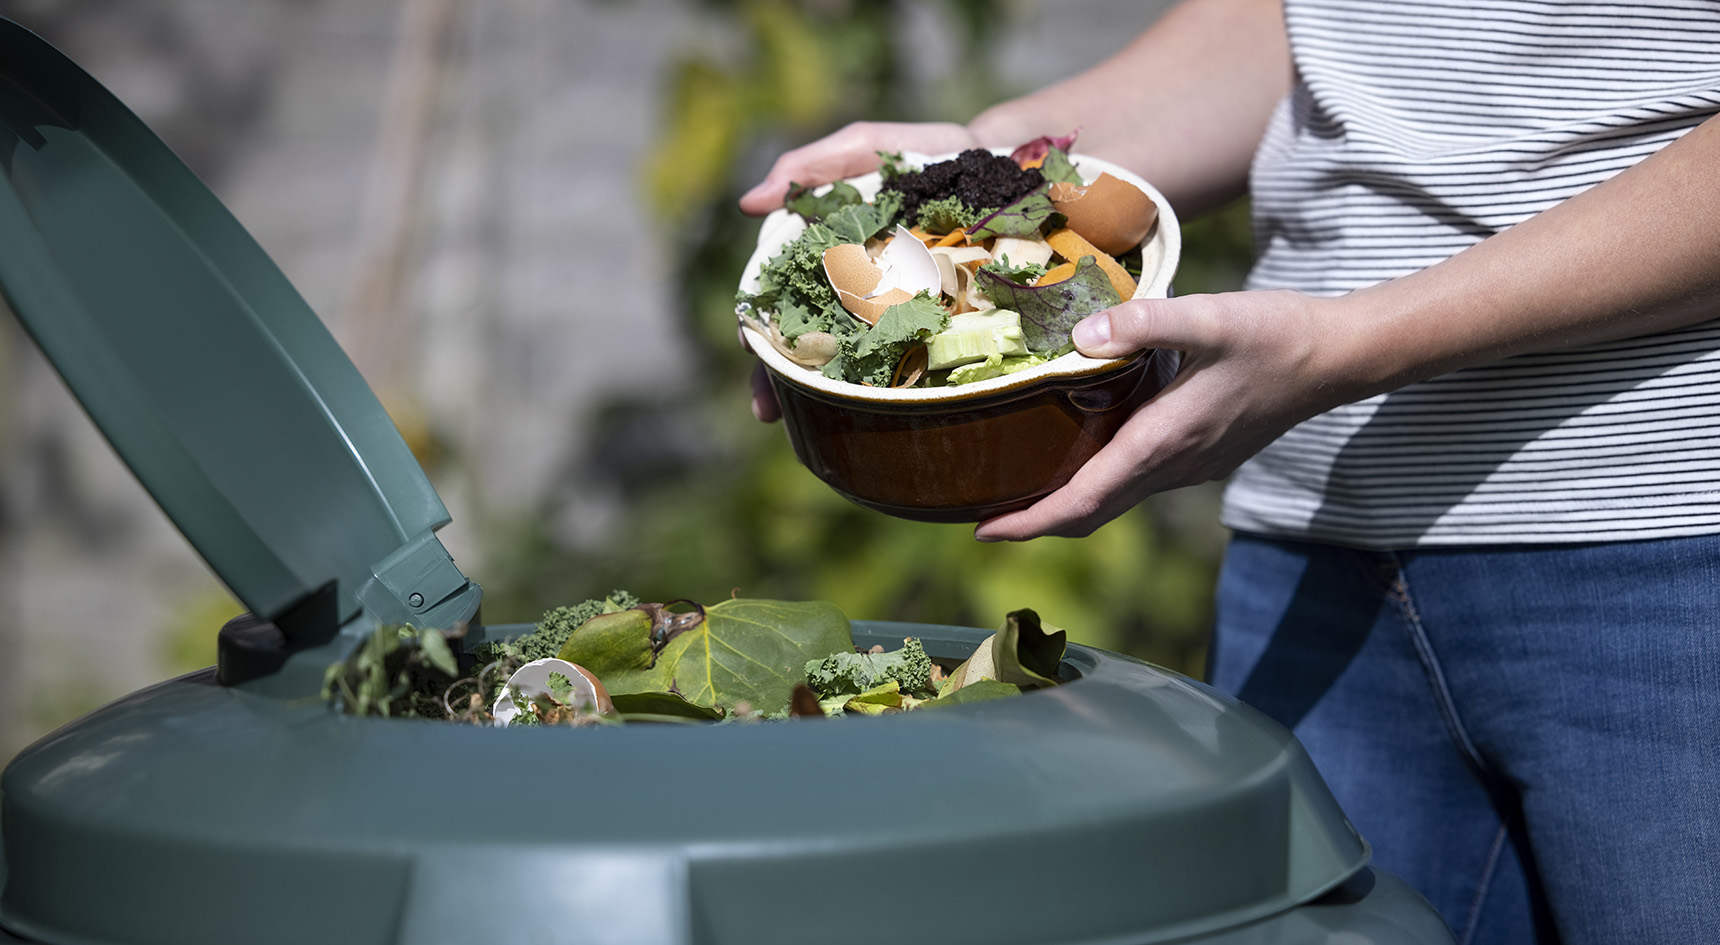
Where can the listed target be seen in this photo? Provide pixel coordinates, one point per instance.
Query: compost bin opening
(484, 676)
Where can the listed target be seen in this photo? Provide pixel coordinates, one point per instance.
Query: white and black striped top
(1418, 128)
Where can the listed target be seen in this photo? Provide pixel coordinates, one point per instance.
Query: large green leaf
(743, 650)
(751, 651)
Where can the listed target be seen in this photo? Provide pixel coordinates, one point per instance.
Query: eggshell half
(850, 269)
(870, 310)
(532, 680)
(1111, 213)
(907, 264)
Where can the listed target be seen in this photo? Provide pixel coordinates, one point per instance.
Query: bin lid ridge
(201, 364)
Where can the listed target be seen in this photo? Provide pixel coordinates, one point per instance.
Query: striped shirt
(1418, 128)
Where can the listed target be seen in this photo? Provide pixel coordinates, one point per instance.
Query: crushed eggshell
(1111, 213)
(532, 680)
(870, 310)
(907, 264)
(850, 269)
(867, 288)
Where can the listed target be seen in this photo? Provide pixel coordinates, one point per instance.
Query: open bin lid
(204, 368)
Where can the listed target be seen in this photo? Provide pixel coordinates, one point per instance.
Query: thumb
(1138, 325)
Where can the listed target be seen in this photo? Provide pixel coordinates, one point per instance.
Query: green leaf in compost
(1022, 653)
(983, 690)
(742, 650)
(437, 652)
(655, 705)
(752, 651)
(1025, 652)
(854, 673)
(612, 644)
(1024, 218)
(801, 200)
(1059, 169)
(887, 697)
(1049, 312)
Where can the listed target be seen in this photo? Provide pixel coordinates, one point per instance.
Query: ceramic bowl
(965, 453)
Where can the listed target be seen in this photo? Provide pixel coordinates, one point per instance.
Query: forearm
(1183, 105)
(1635, 255)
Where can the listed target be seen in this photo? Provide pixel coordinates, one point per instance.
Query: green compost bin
(1129, 805)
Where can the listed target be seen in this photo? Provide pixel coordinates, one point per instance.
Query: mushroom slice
(950, 260)
(972, 299)
(911, 368)
(813, 349)
(1021, 251)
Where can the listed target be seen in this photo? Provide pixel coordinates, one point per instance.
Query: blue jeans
(1530, 736)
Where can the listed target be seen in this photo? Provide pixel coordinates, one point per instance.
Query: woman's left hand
(1254, 364)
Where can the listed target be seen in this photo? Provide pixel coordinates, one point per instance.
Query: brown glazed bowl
(964, 453)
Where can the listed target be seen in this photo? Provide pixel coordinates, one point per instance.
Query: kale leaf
(871, 357)
(854, 673)
(949, 213)
(802, 201)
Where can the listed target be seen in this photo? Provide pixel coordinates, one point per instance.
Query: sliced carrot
(1072, 246)
(957, 235)
(930, 239)
(1056, 274)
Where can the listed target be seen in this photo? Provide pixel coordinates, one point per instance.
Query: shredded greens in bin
(617, 660)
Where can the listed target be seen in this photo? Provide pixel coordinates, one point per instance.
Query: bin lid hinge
(419, 584)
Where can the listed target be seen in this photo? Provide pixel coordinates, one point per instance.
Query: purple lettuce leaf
(1023, 218)
(1037, 148)
(1048, 313)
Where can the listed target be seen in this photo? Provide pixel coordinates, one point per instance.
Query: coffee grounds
(980, 179)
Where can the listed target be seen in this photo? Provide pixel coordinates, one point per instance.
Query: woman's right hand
(850, 152)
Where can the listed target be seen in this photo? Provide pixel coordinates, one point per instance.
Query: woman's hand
(1254, 364)
(850, 152)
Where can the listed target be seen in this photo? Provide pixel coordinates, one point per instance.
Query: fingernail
(1093, 331)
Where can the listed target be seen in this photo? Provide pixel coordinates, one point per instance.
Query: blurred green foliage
(731, 510)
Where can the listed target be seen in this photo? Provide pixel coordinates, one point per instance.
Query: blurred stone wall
(451, 185)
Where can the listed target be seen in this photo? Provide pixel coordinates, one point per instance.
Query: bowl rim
(781, 226)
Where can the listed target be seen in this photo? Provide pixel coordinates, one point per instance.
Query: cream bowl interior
(1159, 258)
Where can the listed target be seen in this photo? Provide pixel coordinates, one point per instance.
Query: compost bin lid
(204, 368)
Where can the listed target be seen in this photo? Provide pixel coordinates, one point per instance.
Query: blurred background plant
(729, 509)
